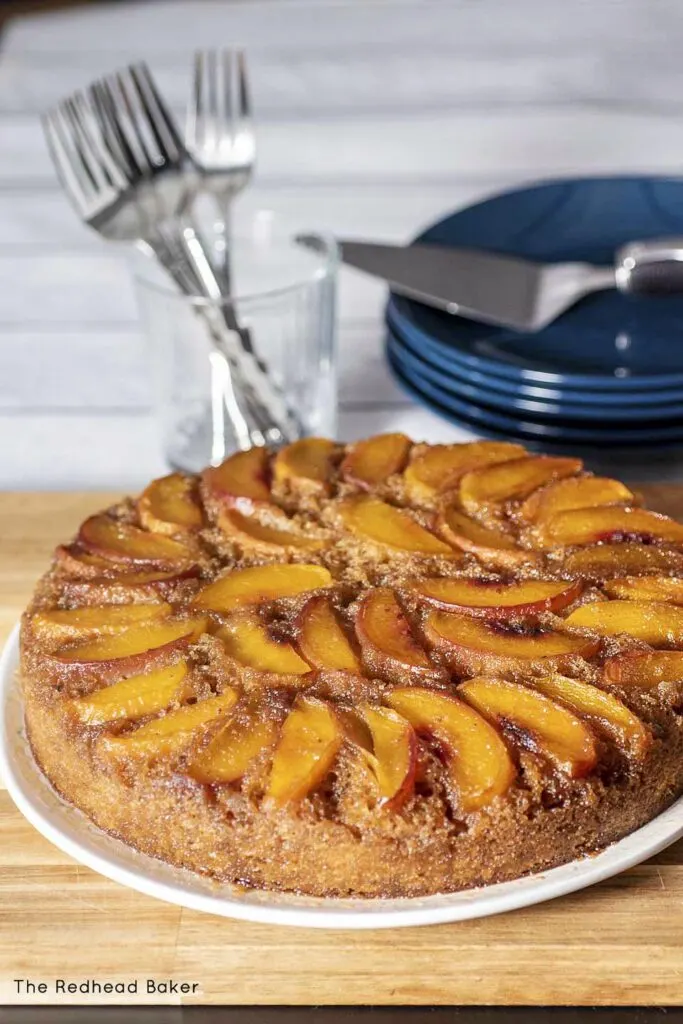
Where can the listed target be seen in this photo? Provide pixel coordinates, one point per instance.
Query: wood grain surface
(618, 943)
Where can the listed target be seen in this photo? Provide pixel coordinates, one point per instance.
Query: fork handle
(260, 403)
(245, 414)
(254, 369)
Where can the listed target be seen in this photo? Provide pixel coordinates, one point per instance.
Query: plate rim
(502, 897)
(578, 414)
(398, 320)
(488, 418)
(590, 399)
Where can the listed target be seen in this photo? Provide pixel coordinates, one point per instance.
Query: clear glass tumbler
(284, 294)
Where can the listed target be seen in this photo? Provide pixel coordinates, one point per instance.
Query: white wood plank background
(375, 117)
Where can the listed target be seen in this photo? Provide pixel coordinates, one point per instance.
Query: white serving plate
(71, 832)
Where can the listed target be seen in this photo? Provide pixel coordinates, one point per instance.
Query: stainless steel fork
(143, 135)
(124, 167)
(219, 130)
(219, 135)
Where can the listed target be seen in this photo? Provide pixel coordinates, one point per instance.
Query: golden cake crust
(471, 674)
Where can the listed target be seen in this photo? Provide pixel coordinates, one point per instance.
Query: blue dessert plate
(627, 397)
(475, 387)
(485, 419)
(608, 341)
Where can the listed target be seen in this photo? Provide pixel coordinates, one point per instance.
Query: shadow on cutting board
(341, 1015)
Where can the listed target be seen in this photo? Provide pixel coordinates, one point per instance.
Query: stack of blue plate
(607, 373)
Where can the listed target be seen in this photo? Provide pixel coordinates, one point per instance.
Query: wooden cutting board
(618, 943)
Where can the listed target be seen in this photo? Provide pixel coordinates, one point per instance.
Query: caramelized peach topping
(309, 742)
(477, 645)
(242, 481)
(321, 638)
(478, 762)
(497, 599)
(656, 623)
(169, 506)
(371, 462)
(610, 523)
(118, 541)
(573, 493)
(552, 729)
(377, 521)
(305, 464)
(438, 468)
(511, 481)
(386, 636)
(257, 584)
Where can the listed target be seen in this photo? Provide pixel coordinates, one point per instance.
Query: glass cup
(284, 295)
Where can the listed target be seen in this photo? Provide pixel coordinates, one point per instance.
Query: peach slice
(132, 698)
(486, 542)
(475, 645)
(306, 463)
(248, 641)
(102, 571)
(611, 715)
(242, 481)
(354, 728)
(168, 505)
(440, 467)
(322, 640)
(259, 583)
(646, 588)
(607, 523)
(168, 735)
(72, 559)
(132, 651)
(62, 624)
(109, 538)
(134, 586)
(495, 599)
(393, 759)
(479, 764)
(656, 623)
(574, 492)
(309, 742)
(386, 636)
(371, 462)
(645, 669)
(250, 533)
(512, 480)
(547, 726)
(377, 521)
(229, 754)
(603, 561)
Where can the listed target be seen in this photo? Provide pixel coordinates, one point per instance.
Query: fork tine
(243, 95)
(85, 144)
(114, 141)
(129, 114)
(161, 121)
(193, 116)
(64, 157)
(213, 96)
(89, 128)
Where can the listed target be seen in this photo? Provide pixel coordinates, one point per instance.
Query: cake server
(506, 290)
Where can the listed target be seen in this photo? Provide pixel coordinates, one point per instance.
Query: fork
(219, 131)
(97, 159)
(124, 167)
(219, 135)
(274, 422)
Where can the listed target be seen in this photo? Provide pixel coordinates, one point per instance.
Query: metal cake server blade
(509, 291)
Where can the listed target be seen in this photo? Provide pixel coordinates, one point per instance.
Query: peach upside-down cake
(377, 669)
